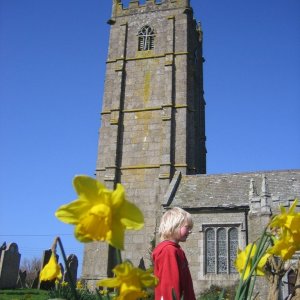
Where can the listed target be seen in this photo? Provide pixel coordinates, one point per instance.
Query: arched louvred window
(233, 247)
(210, 249)
(146, 38)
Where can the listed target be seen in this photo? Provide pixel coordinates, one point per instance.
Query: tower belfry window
(146, 38)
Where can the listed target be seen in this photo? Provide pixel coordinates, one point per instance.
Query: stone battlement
(135, 6)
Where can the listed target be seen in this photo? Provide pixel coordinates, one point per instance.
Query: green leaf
(221, 296)
(173, 295)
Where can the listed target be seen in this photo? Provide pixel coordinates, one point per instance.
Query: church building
(152, 140)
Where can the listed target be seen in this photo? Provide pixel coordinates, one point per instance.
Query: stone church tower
(153, 114)
(152, 140)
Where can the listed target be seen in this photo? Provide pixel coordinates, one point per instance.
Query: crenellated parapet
(135, 6)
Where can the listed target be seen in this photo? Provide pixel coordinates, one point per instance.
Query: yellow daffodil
(260, 269)
(79, 285)
(100, 214)
(289, 220)
(286, 244)
(242, 256)
(51, 270)
(287, 238)
(283, 248)
(130, 281)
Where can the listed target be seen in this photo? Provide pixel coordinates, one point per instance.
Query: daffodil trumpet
(51, 271)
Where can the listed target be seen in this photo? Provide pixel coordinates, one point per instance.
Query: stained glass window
(146, 38)
(210, 251)
(222, 251)
(233, 246)
(221, 245)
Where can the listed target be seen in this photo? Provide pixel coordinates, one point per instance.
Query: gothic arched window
(146, 38)
(221, 245)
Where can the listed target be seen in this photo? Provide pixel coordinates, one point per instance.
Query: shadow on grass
(20, 294)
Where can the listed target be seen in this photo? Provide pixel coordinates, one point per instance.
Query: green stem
(251, 287)
(242, 284)
(73, 287)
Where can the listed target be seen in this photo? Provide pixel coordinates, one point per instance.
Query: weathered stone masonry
(152, 115)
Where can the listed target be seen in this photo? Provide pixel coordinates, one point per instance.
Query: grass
(24, 294)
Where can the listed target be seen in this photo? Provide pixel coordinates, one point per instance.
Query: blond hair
(171, 220)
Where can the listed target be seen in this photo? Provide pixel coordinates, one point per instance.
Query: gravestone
(21, 282)
(36, 281)
(9, 266)
(72, 262)
(46, 285)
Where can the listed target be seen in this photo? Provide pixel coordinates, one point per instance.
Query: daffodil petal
(130, 281)
(124, 269)
(88, 188)
(117, 237)
(242, 257)
(132, 295)
(109, 282)
(293, 206)
(118, 196)
(148, 279)
(293, 222)
(247, 272)
(72, 212)
(261, 264)
(131, 216)
(283, 248)
(83, 238)
(51, 270)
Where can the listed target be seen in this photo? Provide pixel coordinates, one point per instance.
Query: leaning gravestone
(9, 266)
(72, 262)
(2, 248)
(36, 281)
(61, 268)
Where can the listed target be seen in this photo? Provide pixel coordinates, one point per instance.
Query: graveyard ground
(24, 294)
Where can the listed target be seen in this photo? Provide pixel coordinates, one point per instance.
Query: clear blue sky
(52, 68)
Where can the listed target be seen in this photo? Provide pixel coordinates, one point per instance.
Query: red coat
(171, 268)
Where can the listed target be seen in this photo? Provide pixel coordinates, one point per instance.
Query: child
(170, 264)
